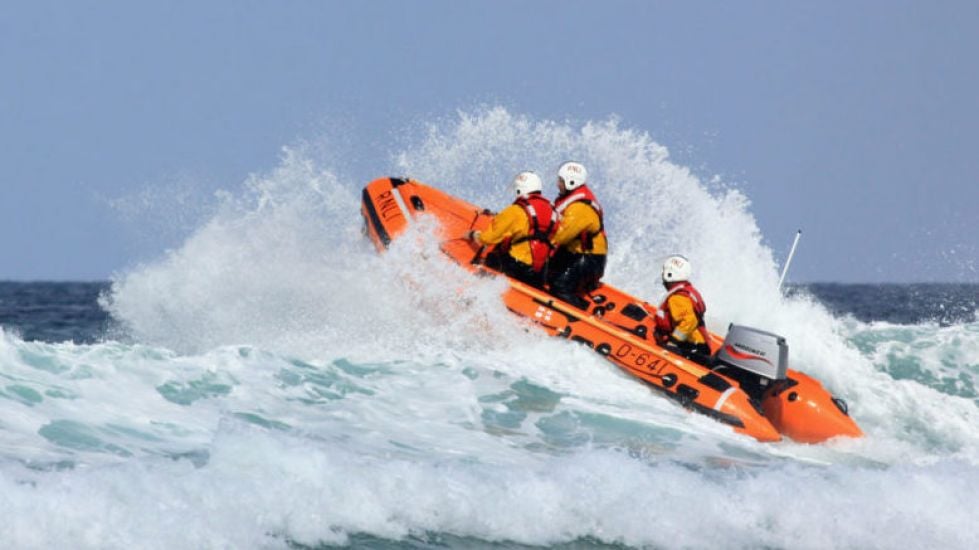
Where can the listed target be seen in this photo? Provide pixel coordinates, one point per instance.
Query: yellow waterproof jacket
(579, 217)
(511, 222)
(684, 319)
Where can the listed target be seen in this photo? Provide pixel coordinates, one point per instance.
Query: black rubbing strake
(686, 393)
(375, 220)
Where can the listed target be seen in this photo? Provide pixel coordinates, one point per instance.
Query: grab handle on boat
(478, 256)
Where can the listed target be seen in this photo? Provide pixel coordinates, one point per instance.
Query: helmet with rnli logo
(573, 174)
(676, 269)
(526, 183)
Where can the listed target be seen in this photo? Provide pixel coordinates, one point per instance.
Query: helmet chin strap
(668, 285)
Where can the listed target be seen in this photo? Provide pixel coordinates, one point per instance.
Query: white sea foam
(262, 489)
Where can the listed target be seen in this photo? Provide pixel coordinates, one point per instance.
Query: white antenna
(788, 260)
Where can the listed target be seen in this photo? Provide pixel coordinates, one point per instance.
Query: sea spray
(283, 266)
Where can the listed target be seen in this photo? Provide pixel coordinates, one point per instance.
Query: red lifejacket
(664, 317)
(583, 194)
(542, 222)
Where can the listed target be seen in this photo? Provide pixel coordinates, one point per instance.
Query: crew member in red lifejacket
(580, 244)
(522, 232)
(680, 318)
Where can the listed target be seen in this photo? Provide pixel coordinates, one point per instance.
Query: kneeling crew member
(680, 318)
(522, 231)
(579, 261)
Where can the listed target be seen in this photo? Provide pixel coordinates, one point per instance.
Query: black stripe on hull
(375, 220)
(725, 418)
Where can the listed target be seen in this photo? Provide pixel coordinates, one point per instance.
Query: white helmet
(573, 174)
(526, 183)
(675, 269)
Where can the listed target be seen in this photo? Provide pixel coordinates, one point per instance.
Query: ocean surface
(272, 382)
(56, 312)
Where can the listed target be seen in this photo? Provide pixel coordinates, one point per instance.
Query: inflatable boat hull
(617, 326)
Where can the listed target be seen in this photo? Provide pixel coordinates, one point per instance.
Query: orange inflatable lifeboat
(745, 383)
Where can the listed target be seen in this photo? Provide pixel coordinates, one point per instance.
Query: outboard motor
(753, 357)
(797, 406)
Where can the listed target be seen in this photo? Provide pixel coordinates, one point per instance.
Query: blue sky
(856, 121)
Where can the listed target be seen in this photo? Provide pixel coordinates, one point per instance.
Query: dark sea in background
(904, 304)
(57, 311)
(54, 312)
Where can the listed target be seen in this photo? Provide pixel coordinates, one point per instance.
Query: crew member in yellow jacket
(578, 263)
(521, 232)
(680, 318)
